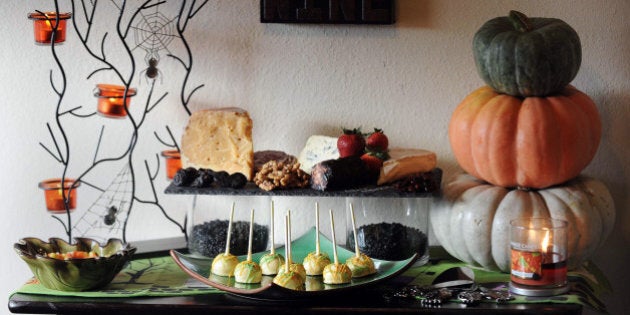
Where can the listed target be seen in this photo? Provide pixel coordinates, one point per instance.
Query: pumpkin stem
(520, 21)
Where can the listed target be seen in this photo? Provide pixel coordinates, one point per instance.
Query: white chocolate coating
(337, 274)
(290, 280)
(271, 263)
(224, 264)
(361, 266)
(296, 268)
(247, 272)
(314, 263)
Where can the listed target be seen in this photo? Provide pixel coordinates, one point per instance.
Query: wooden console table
(363, 302)
(369, 300)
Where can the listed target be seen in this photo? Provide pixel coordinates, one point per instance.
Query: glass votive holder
(538, 248)
(173, 162)
(112, 100)
(54, 194)
(389, 228)
(44, 27)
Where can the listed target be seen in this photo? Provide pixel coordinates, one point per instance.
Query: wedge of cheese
(219, 139)
(404, 162)
(317, 149)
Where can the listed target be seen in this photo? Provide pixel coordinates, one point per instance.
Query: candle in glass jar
(173, 162)
(44, 26)
(54, 194)
(538, 257)
(112, 100)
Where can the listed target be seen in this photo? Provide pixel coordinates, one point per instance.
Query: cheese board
(250, 189)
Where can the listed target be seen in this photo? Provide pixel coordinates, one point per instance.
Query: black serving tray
(250, 189)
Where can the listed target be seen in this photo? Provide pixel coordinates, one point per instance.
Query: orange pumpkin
(532, 142)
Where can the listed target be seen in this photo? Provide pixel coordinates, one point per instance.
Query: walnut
(280, 175)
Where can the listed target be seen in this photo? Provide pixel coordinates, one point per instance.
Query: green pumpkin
(523, 56)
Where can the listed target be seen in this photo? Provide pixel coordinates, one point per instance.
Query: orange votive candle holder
(44, 27)
(54, 194)
(173, 162)
(112, 100)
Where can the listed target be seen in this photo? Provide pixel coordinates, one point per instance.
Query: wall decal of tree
(135, 28)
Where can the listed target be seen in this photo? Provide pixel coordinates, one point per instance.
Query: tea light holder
(112, 100)
(538, 248)
(44, 27)
(54, 194)
(173, 162)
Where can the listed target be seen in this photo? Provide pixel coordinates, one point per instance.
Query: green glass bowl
(77, 274)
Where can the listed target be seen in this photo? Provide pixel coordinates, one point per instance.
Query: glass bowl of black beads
(209, 218)
(390, 228)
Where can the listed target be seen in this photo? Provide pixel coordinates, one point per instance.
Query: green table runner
(157, 276)
(160, 276)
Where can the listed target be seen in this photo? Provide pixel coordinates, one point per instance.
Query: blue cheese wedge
(317, 149)
(404, 162)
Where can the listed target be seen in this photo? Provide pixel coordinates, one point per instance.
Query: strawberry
(373, 162)
(351, 143)
(377, 141)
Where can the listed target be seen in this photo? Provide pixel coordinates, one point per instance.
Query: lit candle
(54, 194)
(112, 100)
(538, 257)
(44, 26)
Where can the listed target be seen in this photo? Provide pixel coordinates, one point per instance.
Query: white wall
(295, 80)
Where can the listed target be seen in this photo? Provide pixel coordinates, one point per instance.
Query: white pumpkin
(472, 221)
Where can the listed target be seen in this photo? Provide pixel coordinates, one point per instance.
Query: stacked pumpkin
(523, 139)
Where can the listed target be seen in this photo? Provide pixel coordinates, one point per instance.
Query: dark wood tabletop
(360, 302)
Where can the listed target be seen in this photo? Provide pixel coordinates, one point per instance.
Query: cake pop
(336, 273)
(315, 262)
(271, 262)
(360, 264)
(224, 264)
(288, 279)
(248, 271)
(295, 267)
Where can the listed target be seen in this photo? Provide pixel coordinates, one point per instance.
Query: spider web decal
(154, 32)
(106, 217)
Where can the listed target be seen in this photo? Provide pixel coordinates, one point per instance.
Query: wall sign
(328, 11)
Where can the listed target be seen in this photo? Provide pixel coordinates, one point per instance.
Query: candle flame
(545, 242)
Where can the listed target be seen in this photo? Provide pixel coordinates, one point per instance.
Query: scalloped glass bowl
(78, 274)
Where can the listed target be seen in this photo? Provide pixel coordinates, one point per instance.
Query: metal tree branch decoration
(118, 209)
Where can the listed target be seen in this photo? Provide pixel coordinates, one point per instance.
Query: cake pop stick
(248, 271)
(224, 264)
(334, 238)
(315, 262)
(361, 265)
(271, 262)
(229, 231)
(336, 273)
(288, 278)
(295, 267)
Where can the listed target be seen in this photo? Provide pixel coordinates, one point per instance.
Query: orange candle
(54, 194)
(111, 100)
(44, 24)
(173, 162)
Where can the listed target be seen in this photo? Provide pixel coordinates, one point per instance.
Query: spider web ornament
(154, 32)
(106, 217)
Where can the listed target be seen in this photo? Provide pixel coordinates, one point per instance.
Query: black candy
(389, 241)
(208, 238)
